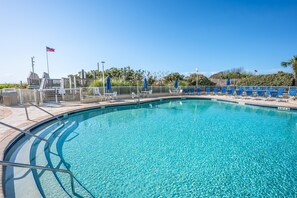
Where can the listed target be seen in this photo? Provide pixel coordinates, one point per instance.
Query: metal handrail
(47, 112)
(25, 132)
(5, 163)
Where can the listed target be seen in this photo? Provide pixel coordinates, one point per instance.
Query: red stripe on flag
(48, 49)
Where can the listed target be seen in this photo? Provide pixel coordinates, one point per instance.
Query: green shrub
(202, 80)
(278, 79)
(17, 86)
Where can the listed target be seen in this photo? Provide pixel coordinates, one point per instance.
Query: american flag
(48, 49)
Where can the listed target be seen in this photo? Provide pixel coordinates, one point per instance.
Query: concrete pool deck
(16, 115)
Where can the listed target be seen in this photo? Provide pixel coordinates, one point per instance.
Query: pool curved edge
(12, 136)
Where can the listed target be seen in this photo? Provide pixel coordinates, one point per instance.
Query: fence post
(21, 97)
(40, 96)
(74, 83)
(35, 96)
(80, 93)
(27, 115)
(70, 84)
(160, 88)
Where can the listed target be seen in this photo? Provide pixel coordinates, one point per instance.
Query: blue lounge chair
(224, 90)
(207, 90)
(230, 91)
(280, 95)
(239, 92)
(216, 90)
(198, 90)
(249, 93)
(271, 94)
(292, 93)
(260, 93)
(267, 93)
(191, 90)
(186, 90)
(280, 92)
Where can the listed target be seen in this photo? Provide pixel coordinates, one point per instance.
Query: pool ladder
(5, 163)
(25, 132)
(61, 121)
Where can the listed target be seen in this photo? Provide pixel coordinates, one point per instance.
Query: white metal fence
(92, 93)
(79, 94)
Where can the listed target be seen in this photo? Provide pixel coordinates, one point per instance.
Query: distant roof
(45, 75)
(33, 76)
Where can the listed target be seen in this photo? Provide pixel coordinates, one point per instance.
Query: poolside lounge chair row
(207, 90)
(245, 92)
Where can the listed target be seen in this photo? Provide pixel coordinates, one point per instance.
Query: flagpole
(47, 61)
(103, 77)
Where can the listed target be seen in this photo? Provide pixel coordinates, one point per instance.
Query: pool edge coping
(13, 137)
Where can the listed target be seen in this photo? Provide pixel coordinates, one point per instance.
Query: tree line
(129, 77)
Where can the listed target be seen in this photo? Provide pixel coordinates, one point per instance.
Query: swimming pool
(169, 148)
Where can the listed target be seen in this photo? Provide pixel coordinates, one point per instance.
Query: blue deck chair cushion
(239, 92)
(280, 92)
(273, 93)
(198, 90)
(215, 90)
(260, 93)
(230, 91)
(249, 92)
(292, 92)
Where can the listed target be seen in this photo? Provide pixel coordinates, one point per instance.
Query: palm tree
(293, 63)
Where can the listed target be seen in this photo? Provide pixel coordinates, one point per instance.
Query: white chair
(170, 92)
(133, 95)
(61, 91)
(114, 94)
(96, 91)
(150, 92)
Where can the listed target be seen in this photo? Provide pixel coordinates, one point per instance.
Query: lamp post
(32, 61)
(196, 76)
(103, 76)
(238, 77)
(98, 71)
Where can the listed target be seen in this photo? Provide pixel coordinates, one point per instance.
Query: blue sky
(154, 35)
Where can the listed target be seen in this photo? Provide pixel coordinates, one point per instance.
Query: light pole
(32, 61)
(196, 76)
(238, 77)
(98, 71)
(103, 77)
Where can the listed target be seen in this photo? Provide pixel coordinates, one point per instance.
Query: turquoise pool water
(184, 148)
(173, 149)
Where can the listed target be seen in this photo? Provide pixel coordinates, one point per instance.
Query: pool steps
(36, 180)
(55, 159)
(21, 178)
(46, 178)
(26, 179)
